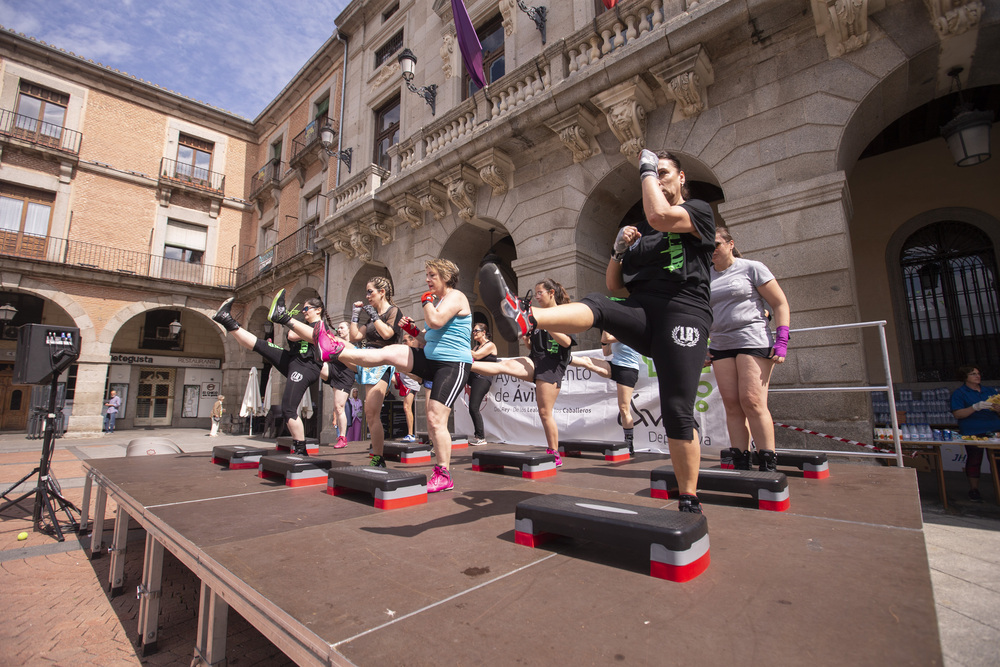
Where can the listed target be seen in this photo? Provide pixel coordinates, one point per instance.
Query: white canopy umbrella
(268, 402)
(252, 404)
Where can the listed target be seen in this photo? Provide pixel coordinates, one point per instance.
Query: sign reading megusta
(587, 409)
(160, 360)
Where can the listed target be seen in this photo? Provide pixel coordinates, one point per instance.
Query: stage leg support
(116, 579)
(97, 533)
(149, 594)
(213, 615)
(88, 483)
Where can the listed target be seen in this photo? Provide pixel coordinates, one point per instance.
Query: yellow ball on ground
(22, 536)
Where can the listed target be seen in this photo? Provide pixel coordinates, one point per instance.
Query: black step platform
(297, 470)
(677, 541)
(391, 488)
(458, 440)
(612, 451)
(236, 457)
(407, 452)
(284, 444)
(532, 464)
(814, 465)
(769, 489)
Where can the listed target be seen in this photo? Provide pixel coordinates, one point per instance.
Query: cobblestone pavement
(57, 611)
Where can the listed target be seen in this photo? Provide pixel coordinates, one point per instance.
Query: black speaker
(43, 352)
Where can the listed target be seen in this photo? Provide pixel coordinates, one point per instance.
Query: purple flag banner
(468, 43)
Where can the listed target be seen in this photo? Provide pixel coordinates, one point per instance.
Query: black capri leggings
(300, 374)
(478, 386)
(674, 336)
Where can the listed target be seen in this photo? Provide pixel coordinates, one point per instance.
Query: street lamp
(968, 133)
(326, 137)
(407, 64)
(175, 328)
(7, 313)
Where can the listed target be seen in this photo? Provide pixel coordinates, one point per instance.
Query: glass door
(154, 402)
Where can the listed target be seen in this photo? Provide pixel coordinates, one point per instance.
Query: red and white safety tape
(833, 437)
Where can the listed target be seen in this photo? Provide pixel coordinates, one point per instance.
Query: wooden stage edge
(840, 577)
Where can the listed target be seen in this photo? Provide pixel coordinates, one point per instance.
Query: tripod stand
(46, 493)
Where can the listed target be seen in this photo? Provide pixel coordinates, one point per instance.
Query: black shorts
(339, 376)
(762, 352)
(448, 378)
(549, 369)
(624, 375)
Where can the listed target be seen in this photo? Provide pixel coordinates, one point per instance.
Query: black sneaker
(689, 504)
(768, 461)
(278, 313)
(223, 316)
(975, 496)
(741, 459)
(377, 462)
(299, 447)
(512, 315)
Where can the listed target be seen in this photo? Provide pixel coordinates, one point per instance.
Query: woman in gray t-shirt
(743, 349)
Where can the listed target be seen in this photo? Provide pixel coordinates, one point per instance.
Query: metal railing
(39, 132)
(309, 137)
(187, 174)
(269, 173)
(113, 260)
(297, 243)
(887, 387)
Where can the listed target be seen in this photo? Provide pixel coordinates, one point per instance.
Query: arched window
(950, 279)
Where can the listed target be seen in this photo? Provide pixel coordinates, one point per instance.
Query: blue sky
(233, 54)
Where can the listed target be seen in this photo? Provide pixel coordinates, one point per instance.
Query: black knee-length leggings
(299, 373)
(674, 335)
(478, 386)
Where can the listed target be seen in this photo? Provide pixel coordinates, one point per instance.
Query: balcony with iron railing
(80, 254)
(267, 175)
(39, 133)
(185, 174)
(298, 243)
(305, 145)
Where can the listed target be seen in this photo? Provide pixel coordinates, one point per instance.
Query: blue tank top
(623, 355)
(450, 342)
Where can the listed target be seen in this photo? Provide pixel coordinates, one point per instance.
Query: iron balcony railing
(300, 242)
(268, 174)
(187, 174)
(309, 137)
(39, 132)
(113, 260)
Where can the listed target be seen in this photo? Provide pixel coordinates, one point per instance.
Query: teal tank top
(452, 342)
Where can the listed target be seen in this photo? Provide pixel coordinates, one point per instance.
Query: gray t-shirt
(738, 319)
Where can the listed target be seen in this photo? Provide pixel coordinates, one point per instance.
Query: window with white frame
(41, 113)
(194, 159)
(25, 216)
(184, 250)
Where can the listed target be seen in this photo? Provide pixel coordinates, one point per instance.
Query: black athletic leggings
(299, 373)
(674, 336)
(478, 386)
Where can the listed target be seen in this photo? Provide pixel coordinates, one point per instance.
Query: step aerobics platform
(335, 582)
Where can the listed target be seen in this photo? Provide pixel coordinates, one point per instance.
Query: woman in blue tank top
(444, 360)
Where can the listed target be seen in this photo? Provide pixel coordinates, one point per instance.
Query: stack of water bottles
(930, 406)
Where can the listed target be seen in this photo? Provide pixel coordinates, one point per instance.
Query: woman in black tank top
(483, 349)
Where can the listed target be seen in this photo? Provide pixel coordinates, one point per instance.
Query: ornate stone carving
(434, 198)
(495, 169)
(626, 106)
(377, 225)
(389, 70)
(507, 11)
(954, 17)
(408, 209)
(363, 243)
(577, 129)
(844, 24)
(685, 78)
(462, 190)
(447, 52)
(341, 243)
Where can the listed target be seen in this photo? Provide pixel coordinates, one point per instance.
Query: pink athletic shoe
(440, 481)
(329, 346)
(341, 442)
(555, 454)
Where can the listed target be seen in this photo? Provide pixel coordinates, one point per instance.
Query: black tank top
(374, 339)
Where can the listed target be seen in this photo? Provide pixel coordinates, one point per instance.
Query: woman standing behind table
(483, 349)
(977, 416)
(545, 365)
(444, 361)
(742, 348)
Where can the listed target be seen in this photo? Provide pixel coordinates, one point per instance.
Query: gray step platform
(612, 451)
(677, 541)
(458, 440)
(814, 465)
(236, 457)
(532, 464)
(769, 489)
(407, 452)
(296, 470)
(284, 444)
(391, 488)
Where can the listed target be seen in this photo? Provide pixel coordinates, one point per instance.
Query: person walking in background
(355, 410)
(978, 413)
(483, 349)
(217, 410)
(742, 349)
(113, 404)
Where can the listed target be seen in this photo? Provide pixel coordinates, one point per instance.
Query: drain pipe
(343, 91)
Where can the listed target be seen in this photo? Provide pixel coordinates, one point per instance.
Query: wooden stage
(841, 577)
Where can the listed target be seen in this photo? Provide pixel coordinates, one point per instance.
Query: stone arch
(91, 349)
